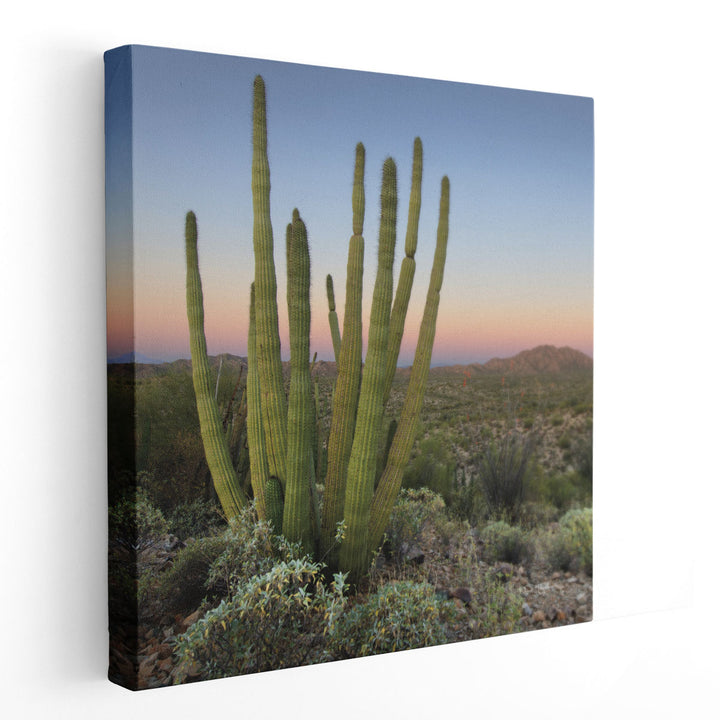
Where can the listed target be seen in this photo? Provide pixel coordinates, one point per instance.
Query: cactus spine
(333, 318)
(266, 310)
(347, 385)
(363, 457)
(407, 272)
(297, 513)
(217, 454)
(399, 454)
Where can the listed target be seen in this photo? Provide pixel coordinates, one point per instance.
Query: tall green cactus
(333, 318)
(399, 454)
(407, 272)
(296, 518)
(266, 310)
(259, 471)
(363, 457)
(217, 453)
(347, 385)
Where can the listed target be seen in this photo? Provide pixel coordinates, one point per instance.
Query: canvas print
(350, 375)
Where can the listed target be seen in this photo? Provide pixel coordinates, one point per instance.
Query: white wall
(651, 68)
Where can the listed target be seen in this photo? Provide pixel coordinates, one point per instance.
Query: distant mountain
(133, 357)
(542, 359)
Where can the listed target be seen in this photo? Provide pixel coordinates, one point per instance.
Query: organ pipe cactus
(284, 451)
(407, 272)
(333, 318)
(217, 452)
(363, 457)
(300, 418)
(274, 407)
(347, 386)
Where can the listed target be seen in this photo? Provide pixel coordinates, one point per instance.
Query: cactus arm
(217, 452)
(259, 472)
(333, 318)
(391, 479)
(363, 457)
(407, 272)
(297, 512)
(347, 385)
(268, 337)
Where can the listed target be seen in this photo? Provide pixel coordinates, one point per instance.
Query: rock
(527, 610)
(556, 575)
(463, 594)
(538, 616)
(164, 651)
(560, 616)
(147, 666)
(190, 620)
(411, 553)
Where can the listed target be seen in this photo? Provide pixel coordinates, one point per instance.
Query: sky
(519, 270)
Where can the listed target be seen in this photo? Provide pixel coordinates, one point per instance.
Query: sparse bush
(399, 616)
(506, 543)
(433, 467)
(183, 586)
(276, 620)
(571, 547)
(134, 522)
(214, 566)
(500, 610)
(195, 519)
(412, 511)
(502, 471)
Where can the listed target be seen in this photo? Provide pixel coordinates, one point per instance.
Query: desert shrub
(134, 522)
(399, 616)
(251, 547)
(499, 610)
(433, 467)
(195, 519)
(412, 512)
(276, 620)
(506, 543)
(502, 472)
(570, 548)
(184, 585)
(213, 566)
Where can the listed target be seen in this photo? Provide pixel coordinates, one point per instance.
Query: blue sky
(520, 255)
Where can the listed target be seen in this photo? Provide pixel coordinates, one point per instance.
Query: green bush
(399, 616)
(570, 548)
(412, 512)
(251, 548)
(500, 610)
(195, 519)
(134, 522)
(215, 565)
(183, 586)
(277, 620)
(433, 468)
(506, 543)
(502, 472)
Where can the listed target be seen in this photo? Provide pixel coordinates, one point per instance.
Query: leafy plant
(571, 547)
(506, 543)
(399, 616)
(276, 620)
